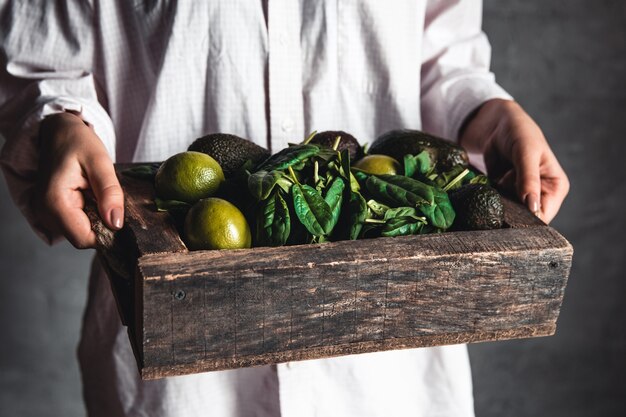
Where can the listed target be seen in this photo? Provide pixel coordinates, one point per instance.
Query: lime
(188, 176)
(214, 223)
(378, 164)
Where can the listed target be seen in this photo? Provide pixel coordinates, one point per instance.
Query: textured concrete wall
(42, 295)
(566, 63)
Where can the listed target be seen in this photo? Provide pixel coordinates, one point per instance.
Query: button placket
(286, 116)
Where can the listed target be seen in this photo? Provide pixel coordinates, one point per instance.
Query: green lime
(214, 223)
(188, 176)
(378, 164)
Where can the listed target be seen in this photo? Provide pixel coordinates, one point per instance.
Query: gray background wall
(566, 63)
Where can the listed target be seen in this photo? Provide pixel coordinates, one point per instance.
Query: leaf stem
(316, 168)
(456, 179)
(375, 221)
(293, 175)
(336, 143)
(310, 137)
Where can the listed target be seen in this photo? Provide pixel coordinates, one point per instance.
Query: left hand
(517, 155)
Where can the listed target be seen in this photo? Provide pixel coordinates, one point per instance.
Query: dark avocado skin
(349, 142)
(397, 143)
(230, 151)
(477, 207)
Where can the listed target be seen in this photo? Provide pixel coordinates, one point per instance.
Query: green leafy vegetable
(402, 226)
(477, 179)
(410, 165)
(418, 164)
(402, 221)
(143, 171)
(358, 214)
(326, 154)
(177, 209)
(396, 190)
(289, 157)
(378, 208)
(171, 205)
(275, 222)
(402, 212)
(399, 191)
(361, 176)
(261, 183)
(456, 181)
(334, 198)
(313, 212)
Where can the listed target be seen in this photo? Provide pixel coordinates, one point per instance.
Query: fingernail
(532, 202)
(116, 218)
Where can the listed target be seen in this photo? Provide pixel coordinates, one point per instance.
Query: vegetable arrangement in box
(323, 189)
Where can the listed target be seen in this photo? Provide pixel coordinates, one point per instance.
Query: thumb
(527, 162)
(107, 190)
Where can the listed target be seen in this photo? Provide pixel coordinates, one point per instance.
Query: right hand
(517, 155)
(73, 159)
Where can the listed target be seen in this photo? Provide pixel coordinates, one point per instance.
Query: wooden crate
(190, 312)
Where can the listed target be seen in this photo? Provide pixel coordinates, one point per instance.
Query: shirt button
(287, 125)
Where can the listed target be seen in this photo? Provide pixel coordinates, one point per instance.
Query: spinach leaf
(410, 165)
(424, 162)
(360, 175)
(451, 178)
(288, 157)
(346, 172)
(418, 165)
(402, 226)
(326, 154)
(402, 212)
(334, 198)
(440, 214)
(261, 183)
(171, 205)
(358, 214)
(399, 191)
(402, 221)
(177, 209)
(474, 178)
(275, 222)
(313, 212)
(377, 208)
(143, 171)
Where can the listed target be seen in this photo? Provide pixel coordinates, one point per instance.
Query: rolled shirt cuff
(464, 95)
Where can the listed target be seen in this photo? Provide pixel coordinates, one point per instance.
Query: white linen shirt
(151, 76)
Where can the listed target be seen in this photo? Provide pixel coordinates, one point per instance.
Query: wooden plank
(150, 372)
(153, 231)
(352, 297)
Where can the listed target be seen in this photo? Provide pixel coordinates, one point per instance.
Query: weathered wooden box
(190, 312)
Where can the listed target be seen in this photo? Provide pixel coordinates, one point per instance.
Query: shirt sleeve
(46, 67)
(455, 66)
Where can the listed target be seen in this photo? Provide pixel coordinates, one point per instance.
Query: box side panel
(310, 305)
(152, 231)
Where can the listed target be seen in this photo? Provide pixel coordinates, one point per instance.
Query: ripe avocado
(348, 142)
(397, 143)
(230, 151)
(477, 207)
